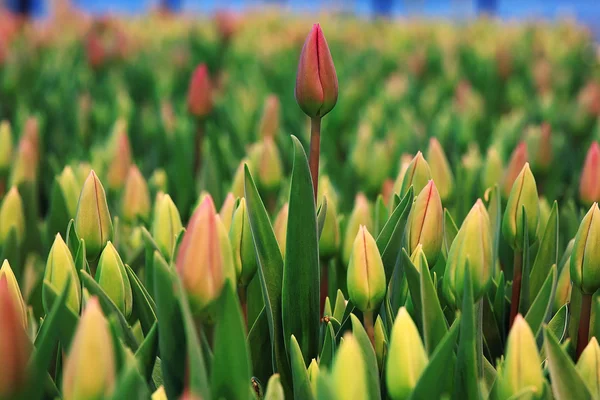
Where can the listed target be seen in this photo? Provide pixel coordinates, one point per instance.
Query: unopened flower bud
(588, 366)
(523, 195)
(70, 189)
(15, 292)
(227, 209)
(406, 359)
(426, 223)
(92, 221)
(166, 225)
(440, 169)
(563, 288)
(348, 372)
(120, 158)
(280, 228)
(366, 275)
(266, 163)
(269, 123)
(12, 216)
(473, 246)
(24, 167)
(361, 215)
(329, 242)
(60, 267)
(381, 343)
(518, 159)
(313, 374)
(242, 244)
(493, 169)
(417, 175)
(159, 181)
(522, 363)
(585, 258)
(112, 278)
(200, 93)
(274, 388)
(589, 184)
(6, 147)
(237, 185)
(89, 371)
(136, 197)
(326, 189)
(316, 81)
(539, 142)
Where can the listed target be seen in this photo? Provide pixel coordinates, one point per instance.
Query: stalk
(583, 334)
(198, 139)
(315, 145)
(516, 287)
(242, 294)
(369, 327)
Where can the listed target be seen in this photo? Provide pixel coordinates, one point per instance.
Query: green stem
(479, 336)
(369, 327)
(583, 334)
(516, 286)
(315, 145)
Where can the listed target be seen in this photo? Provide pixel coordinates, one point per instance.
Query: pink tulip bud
(200, 93)
(589, 185)
(316, 82)
(515, 165)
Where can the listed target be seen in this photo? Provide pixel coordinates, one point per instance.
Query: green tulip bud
(348, 374)
(237, 185)
(473, 246)
(159, 394)
(15, 292)
(12, 216)
(545, 211)
(120, 158)
(381, 343)
(82, 171)
(6, 147)
(426, 223)
(227, 209)
(440, 168)
(563, 288)
(274, 388)
(166, 225)
(136, 197)
(280, 228)
(585, 260)
(89, 371)
(329, 242)
(361, 215)
(522, 364)
(366, 276)
(269, 122)
(159, 181)
(589, 181)
(70, 188)
(59, 268)
(518, 159)
(417, 175)
(588, 366)
(92, 221)
(326, 189)
(266, 162)
(406, 359)
(523, 195)
(112, 278)
(313, 374)
(493, 169)
(242, 245)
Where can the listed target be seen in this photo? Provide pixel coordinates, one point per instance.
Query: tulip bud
(120, 156)
(589, 184)
(348, 373)
(563, 288)
(242, 245)
(159, 181)
(473, 246)
(166, 225)
(381, 343)
(426, 223)
(14, 344)
(405, 161)
(366, 276)
(492, 169)
(6, 147)
(269, 123)
(280, 228)
(274, 388)
(205, 259)
(440, 168)
(89, 372)
(113, 279)
(585, 260)
(12, 216)
(59, 267)
(226, 212)
(417, 175)
(406, 359)
(588, 366)
(361, 215)
(82, 171)
(518, 159)
(523, 195)
(326, 189)
(199, 99)
(265, 159)
(159, 394)
(92, 221)
(313, 374)
(24, 167)
(136, 197)
(15, 292)
(522, 363)
(70, 189)
(227, 24)
(539, 141)
(329, 242)
(316, 81)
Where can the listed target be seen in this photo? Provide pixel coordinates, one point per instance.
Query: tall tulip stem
(516, 286)
(583, 334)
(315, 145)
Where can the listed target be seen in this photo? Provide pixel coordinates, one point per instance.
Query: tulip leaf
(566, 382)
(300, 297)
(147, 352)
(414, 285)
(321, 214)
(381, 215)
(340, 306)
(143, 305)
(429, 385)
(450, 232)
(270, 272)
(368, 356)
(108, 307)
(389, 241)
(558, 323)
(523, 305)
(58, 214)
(325, 388)
(541, 305)
(131, 385)
(491, 332)
(231, 367)
(71, 237)
(494, 210)
(79, 258)
(274, 389)
(500, 303)
(11, 252)
(302, 389)
(434, 322)
(328, 350)
(68, 319)
(259, 343)
(547, 254)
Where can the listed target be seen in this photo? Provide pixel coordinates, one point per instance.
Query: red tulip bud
(589, 185)
(316, 82)
(200, 93)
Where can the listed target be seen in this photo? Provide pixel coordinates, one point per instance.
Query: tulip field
(260, 206)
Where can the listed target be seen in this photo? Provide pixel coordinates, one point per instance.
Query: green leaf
(381, 215)
(494, 210)
(566, 382)
(389, 241)
(231, 367)
(79, 258)
(435, 326)
(259, 343)
(131, 384)
(71, 237)
(11, 251)
(414, 285)
(325, 388)
(274, 389)
(542, 304)
(491, 332)
(340, 306)
(328, 350)
(547, 254)
(321, 214)
(430, 384)
(68, 319)
(147, 352)
(58, 214)
(450, 232)
(369, 358)
(302, 388)
(270, 272)
(523, 305)
(500, 303)
(143, 305)
(558, 323)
